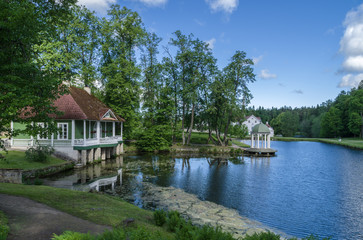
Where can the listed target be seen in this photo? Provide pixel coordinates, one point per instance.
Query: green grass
(16, 160)
(97, 208)
(356, 143)
(240, 144)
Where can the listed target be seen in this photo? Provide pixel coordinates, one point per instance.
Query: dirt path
(32, 220)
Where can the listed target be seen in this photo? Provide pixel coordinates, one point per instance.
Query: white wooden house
(89, 130)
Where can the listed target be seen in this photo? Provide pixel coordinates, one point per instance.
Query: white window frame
(38, 136)
(61, 133)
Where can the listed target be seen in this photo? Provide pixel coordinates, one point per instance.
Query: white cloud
(351, 46)
(266, 75)
(227, 6)
(351, 80)
(257, 59)
(154, 3)
(211, 43)
(100, 6)
(353, 63)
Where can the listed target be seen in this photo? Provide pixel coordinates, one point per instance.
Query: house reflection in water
(104, 182)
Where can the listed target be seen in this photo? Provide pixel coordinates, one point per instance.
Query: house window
(43, 135)
(63, 131)
(249, 121)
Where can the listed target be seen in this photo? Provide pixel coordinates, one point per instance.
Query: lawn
(356, 143)
(97, 208)
(16, 160)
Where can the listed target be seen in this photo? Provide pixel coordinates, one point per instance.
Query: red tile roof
(80, 105)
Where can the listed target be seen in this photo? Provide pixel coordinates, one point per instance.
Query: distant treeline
(342, 117)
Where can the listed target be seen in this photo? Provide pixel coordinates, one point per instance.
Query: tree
(356, 112)
(286, 123)
(230, 94)
(73, 52)
(27, 89)
(121, 34)
(331, 123)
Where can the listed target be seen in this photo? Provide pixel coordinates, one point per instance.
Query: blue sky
(305, 52)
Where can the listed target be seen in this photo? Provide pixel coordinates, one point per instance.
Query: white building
(252, 121)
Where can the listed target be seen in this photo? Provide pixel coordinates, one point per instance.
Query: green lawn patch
(17, 160)
(97, 208)
(356, 143)
(240, 144)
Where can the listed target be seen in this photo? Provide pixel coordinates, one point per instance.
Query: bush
(38, 153)
(263, 236)
(4, 229)
(68, 235)
(173, 222)
(160, 217)
(155, 138)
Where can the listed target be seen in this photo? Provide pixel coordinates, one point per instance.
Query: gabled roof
(79, 105)
(253, 116)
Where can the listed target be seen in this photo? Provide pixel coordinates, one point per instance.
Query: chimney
(87, 89)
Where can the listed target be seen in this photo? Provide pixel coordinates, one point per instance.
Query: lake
(307, 188)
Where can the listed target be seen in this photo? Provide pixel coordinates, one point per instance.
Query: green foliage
(68, 235)
(4, 228)
(38, 153)
(159, 217)
(155, 138)
(26, 86)
(174, 221)
(286, 123)
(263, 236)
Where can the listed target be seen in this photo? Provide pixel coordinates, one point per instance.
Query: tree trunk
(183, 137)
(191, 124)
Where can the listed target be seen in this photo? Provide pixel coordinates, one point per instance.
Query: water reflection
(309, 188)
(88, 177)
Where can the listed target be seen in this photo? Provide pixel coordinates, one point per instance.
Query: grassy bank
(97, 208)
(355, 143)
(16, 160)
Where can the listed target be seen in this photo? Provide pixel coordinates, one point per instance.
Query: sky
(304, 52)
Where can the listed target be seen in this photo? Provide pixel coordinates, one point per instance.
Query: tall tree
(121, 34)
(230, 94)
(25, 85)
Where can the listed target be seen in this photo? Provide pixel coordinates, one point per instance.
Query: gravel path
(32, 220)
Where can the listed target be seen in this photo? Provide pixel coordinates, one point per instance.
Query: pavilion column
(98, 131)
(113, 129)
(251, 140)
(265, 140)
(258, 140)
(84, 132)
(73, 131)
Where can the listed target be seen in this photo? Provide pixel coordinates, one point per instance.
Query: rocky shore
(197, 211)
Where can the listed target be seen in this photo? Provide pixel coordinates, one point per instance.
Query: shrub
(186, 231)
(160, 217)
(68, 235)
(155, 138)
(173, 222)
(4, 229)
(263, 236)
(210, 233)
(38, 153)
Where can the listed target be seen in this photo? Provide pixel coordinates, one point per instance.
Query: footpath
(32, 220)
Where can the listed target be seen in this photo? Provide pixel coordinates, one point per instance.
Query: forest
(163, 92)
(341, 117)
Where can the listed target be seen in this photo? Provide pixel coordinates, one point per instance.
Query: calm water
(308, 188)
